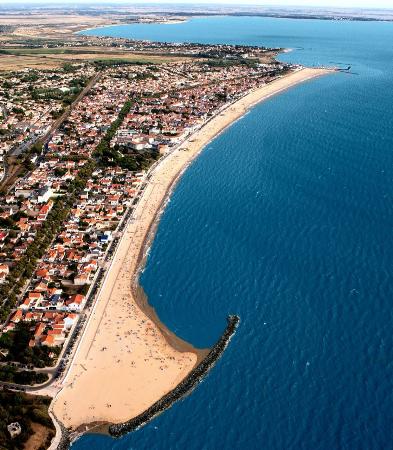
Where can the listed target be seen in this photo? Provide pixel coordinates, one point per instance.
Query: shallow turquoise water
(285, 219)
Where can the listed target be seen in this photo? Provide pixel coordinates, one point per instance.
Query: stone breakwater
(182, 389)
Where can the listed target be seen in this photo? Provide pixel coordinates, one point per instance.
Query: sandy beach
(126, 361)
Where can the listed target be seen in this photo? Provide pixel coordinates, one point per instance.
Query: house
(75, 303)
(69, 321)
(56, 301)
(49, 316)
(49, 341)
(35, 296)
(39, 330)
(26, 304)
(4, 269)
(106, 237)
(17, 316)
(57, 334)
(32, 316)
(9, 327)
(137, 145)
(23, 224)
(44, 211)
(14, 429)
(44, 194)
(7, 212)
(41, 287)
(42, 273)
(81, 279)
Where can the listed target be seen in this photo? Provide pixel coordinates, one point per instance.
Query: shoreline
(96, 27)
(184, 388)
(93, 367)
(116, 23)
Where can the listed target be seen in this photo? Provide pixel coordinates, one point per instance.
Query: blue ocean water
(285, 219)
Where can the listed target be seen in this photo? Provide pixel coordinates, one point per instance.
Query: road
(12, 170)
(67, 112)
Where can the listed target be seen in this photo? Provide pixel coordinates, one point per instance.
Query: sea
(285, 219)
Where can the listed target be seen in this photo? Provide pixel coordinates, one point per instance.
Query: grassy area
(52, 58)
(32, 414)
(125, 56)
(45, 51)
(107, 62)
(12, 62)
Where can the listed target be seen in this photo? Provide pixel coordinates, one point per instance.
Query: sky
(388, 4)
(326, 3)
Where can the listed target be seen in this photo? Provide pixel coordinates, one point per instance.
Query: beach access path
(125, 361)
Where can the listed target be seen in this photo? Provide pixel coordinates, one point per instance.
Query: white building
(14, 429)
(44, 194)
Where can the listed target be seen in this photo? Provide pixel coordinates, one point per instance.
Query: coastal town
(194, 225)
(88, 149)
(99, 154)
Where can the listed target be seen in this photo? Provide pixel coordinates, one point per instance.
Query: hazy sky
(331, 3)
(327, 3)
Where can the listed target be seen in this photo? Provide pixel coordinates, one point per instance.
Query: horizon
(295, 4)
